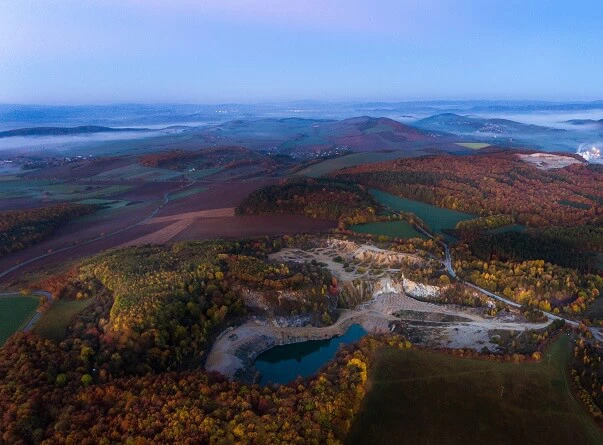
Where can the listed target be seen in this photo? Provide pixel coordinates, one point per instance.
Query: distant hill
(63, 131)
(507, 133)
(585, 122)
(455, 123)
(304, 136)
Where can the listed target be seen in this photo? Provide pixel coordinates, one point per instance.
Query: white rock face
(419, 290)
(372, 254)
(387, 286)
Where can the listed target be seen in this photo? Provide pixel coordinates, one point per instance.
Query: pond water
(282, 364)
(394, 229)
(437, 218)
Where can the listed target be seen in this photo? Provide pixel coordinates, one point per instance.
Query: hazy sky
(106, 51)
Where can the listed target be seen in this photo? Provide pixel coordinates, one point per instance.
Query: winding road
(596, 332)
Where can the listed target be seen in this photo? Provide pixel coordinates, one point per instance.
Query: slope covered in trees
(587, 374)
(168, 300)
(573, 247)
(535, 282)
(492, 183)
(318, 198)
(155, 310)
(22, 228)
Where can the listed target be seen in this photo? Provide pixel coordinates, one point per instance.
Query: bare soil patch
(218, 195)
(213, 213)
(548, 161)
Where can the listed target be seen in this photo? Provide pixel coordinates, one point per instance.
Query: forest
(466, 228)
(166, 307)
(534, 283)
(492, 183)
(587, 373)
(47, 395)
(158, 316)
(22, 228)
(324, 198)
(572, 247)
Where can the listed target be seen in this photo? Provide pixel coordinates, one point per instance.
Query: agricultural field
(437, 218)
(202, 173)
(15, 310)
(137, 172)
(351, 160)
(392, 229)
(187, 192)
(54, 322)
(423, 397)
(473, 145)
(104, 204)
(51, 190)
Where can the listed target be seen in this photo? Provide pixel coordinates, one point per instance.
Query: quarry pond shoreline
(236, 349)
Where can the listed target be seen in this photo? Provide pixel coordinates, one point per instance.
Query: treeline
(483, 224)
(588, 238)
(22, 228)
(535, 245)
(325, 198)
(587, 373)
(493, 183)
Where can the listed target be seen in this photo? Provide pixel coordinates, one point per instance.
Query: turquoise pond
(282, 364)
(437, 218)
(393, 229)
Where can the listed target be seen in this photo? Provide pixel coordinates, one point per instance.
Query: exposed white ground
(388, 304)
(548, 161)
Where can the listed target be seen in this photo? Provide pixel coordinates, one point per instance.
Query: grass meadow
(428, 398)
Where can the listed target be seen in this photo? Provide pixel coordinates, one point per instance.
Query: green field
(473, 145)
(54, 322)
(420, 397)
(106, 204)
(25, 188)
(136, 172)
(203, 173)
(437, 218)
(351, 160)
(394, 229)
(56, 190)
(15, 310)
(187, 192)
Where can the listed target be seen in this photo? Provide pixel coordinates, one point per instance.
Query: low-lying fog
(158, 118)
(61, 143)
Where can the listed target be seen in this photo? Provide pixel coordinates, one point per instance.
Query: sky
(245, 51)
